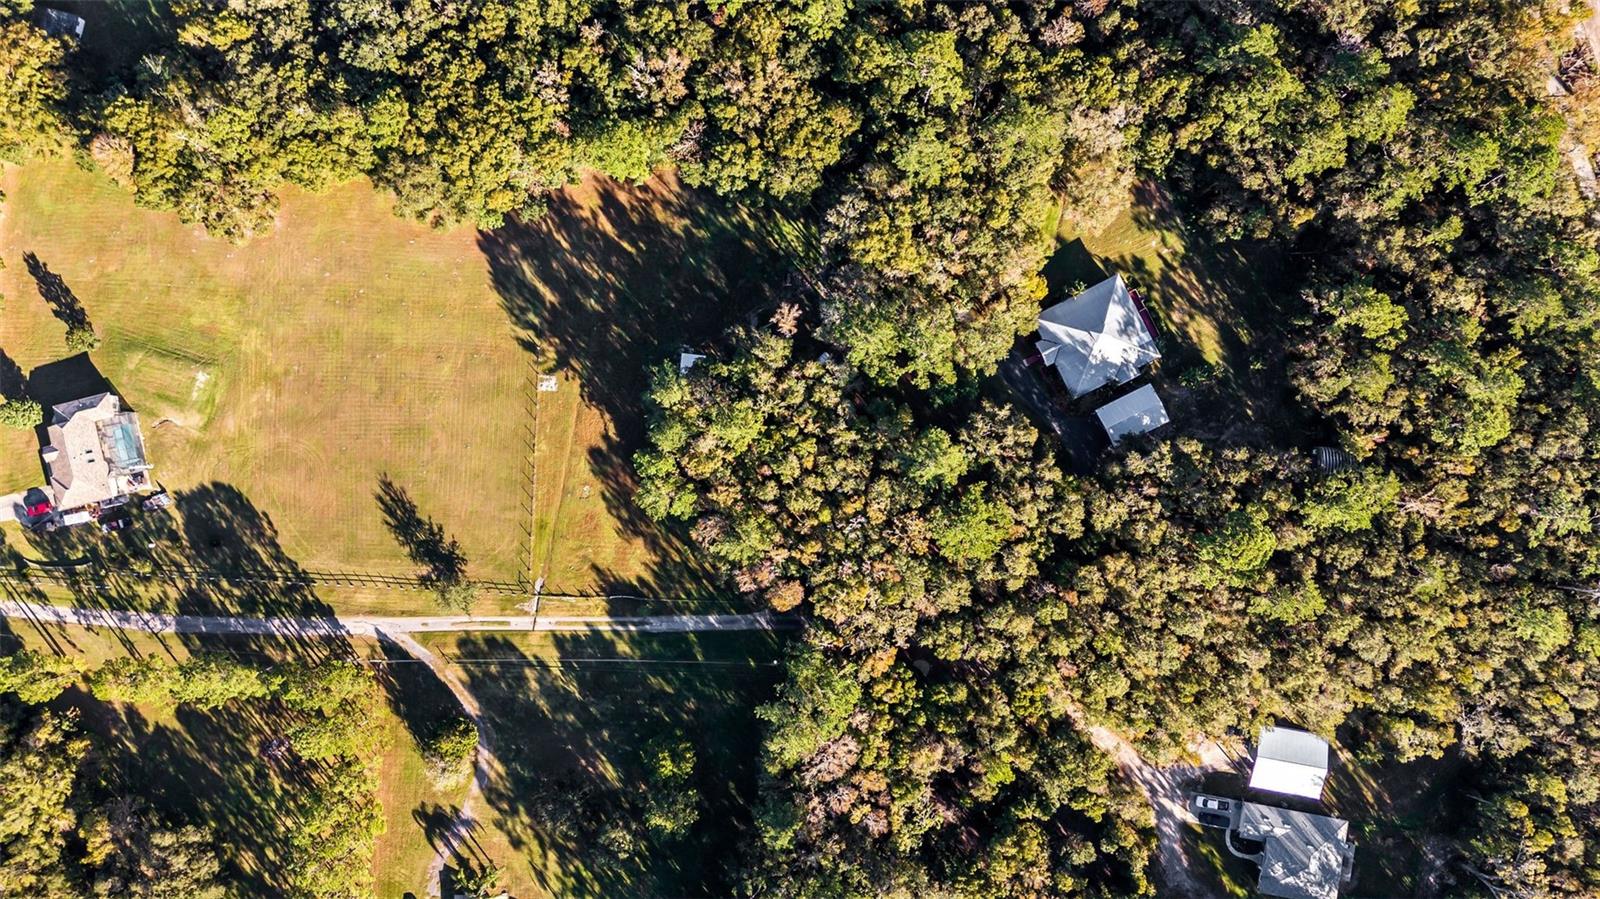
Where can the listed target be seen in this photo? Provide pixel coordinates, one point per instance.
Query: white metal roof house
(1098, 337)
(95, 454)
(1137, 412)
(1291, 762)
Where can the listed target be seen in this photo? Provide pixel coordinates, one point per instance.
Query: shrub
(449, 753)
(82, 339)
(21, 414)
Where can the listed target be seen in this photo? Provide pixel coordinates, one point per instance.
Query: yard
(1219, 311)
(350, 355)
(1400, 820)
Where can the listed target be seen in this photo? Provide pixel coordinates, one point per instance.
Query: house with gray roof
(95, 455)
(1302, 855)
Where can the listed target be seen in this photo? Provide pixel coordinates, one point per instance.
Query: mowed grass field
(348, 346)
(299, 369)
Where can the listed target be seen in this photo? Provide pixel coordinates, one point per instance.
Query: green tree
(450, 751)
(21, 414)
(33, 91)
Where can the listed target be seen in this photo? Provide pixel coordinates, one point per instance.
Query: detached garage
(1291, 762)
(1134, 413)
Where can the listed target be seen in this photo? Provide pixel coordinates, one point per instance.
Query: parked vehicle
(1212, 803)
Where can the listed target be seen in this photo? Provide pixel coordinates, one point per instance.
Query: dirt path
(1168, 790)
(455, 838)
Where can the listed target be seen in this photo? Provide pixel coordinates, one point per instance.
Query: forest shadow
(117, 34)
(571, 727)
(611, 284)
(218, 555)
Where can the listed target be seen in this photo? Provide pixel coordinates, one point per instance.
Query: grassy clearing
(1218, 871)
(615, 281)
(296, 372)
(570, 713)
(1400, 816)
(1220, 313)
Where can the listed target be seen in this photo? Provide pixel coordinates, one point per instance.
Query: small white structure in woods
(687, 361)
(1291, 762)
(1137, 412)
(1099, 337)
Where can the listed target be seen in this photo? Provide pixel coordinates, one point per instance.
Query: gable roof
(1132, 413)
(1291, 762)
(1304, 856)
(1096, 338)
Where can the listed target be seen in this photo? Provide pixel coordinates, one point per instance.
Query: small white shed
(1132, 413)
(1291, 762)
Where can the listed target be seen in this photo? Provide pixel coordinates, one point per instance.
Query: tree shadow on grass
(63, 303)
(213, 553)
(13, 383)
(569, 738)
(423, 539)
(615, 280)
(416, 695)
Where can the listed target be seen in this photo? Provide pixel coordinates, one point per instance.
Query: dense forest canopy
(77, 827)
(971, 603)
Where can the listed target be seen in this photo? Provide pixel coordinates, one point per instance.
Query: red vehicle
(38, 509)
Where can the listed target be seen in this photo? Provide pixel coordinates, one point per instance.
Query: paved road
(372, 625)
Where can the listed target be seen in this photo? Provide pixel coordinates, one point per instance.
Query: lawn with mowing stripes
(297, 372)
